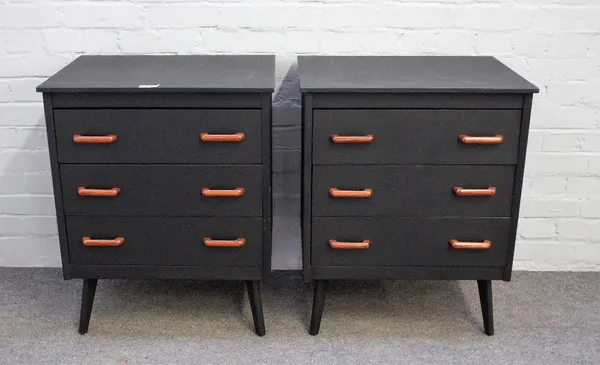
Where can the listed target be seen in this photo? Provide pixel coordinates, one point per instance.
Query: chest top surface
(181, 73)
(416, 74)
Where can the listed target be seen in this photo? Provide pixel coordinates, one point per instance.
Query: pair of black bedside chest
(412, 169)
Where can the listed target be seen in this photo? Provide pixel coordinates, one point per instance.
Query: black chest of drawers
(412, 169)
(162, 169)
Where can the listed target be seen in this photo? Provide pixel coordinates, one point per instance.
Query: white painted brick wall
(554, 43)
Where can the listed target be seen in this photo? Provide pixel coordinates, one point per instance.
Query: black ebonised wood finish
(404, 218)
(418, 74)
(162, 189)
(87, 302)
(159, 223)
(487, 310)
(439, 145)
(171, 74)
(318, 305)
(177, 241)
(256, 306)
(409, 241)
(166, 135)
(412, 190)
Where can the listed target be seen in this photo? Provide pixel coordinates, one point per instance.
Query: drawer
(415, 136)
(159, 136)
(417, 190)
(403, 241)
(165, 241)
(156, 190)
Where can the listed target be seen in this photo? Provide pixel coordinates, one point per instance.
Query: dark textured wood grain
(165, 241)
(418, 74)
(415, 136)
(389, 100)
(167, 272)
(181, 73)
(161, 135)
(518, 185)
(306, 199)
(162, 190)
(406, 272)
(267, 176)
(136, 144)
(56, 187)
(418, 201)
(412, 190)
(156, 100)
(404, 241)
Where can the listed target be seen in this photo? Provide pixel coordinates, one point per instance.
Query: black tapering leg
(87, 302)
(487, 307)
(256, 306)
(318, 305)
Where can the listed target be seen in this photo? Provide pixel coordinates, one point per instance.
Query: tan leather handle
(209, 242)
(350, 245)
(235, 137)
(336, 193)
(111, 138)
(115, 242)
(352, 139)
(460, 191)
(466, 139)
(226, 193)
(83, 191)
(459, 245)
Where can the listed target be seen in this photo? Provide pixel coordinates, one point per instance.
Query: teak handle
(336, 193)
(115, 242)
(235, 137)
(466, 139)
(459, 245)
(83, 191)
(352, 139)
(460, 191)
(226, 193)
(78, 138)
(350, 245)
(209, 242)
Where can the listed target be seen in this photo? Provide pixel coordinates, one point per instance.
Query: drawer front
(403, 241)
(157, 190)
(165, 241)
(420, 190)
(415, 136)
(159, 136)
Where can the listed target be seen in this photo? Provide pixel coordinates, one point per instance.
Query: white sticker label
(148, 86)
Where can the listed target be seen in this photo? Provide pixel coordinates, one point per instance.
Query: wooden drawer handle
(235, 137)
(459, 245)
(350, 245)
(87, 241)
(111, 138)
(352, 139)
(209, 242)
(460, 191)
(227, 193)
(466, 139)
(336, 193)
(83, 191)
